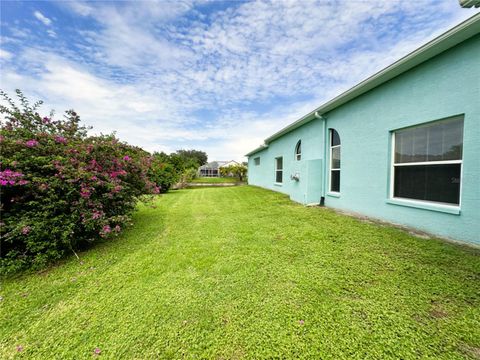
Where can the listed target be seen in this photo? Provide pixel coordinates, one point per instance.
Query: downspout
(324, 175)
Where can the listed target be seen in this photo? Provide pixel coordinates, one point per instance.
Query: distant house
(402, 146)
(212, 169)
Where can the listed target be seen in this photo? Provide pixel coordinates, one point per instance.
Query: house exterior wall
(442, 87)
(305, 191)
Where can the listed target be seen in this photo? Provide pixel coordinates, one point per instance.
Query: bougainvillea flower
(9, 177)
(60, 140)
(31, 143)
(26, 230)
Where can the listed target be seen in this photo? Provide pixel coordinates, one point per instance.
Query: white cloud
(51, 33)
(45, 20)
(80, 8)
(147, 68)
(5, 55)
(131, 36)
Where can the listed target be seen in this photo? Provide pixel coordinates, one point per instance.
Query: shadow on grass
(147, 220)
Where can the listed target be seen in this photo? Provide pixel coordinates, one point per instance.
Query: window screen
(428, 160)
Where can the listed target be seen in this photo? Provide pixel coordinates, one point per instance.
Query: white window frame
(256, 161)
(331, 163)
(298, 155)
(421, 203)
(278, 170)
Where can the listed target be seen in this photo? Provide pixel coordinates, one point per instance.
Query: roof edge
(452, 37)
(260, 148)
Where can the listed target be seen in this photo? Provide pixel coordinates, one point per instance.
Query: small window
(298, 150)
(334, 161)
(279, 170)
(428, 160)
(256, 161)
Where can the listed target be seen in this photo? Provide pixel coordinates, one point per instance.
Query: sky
(216, 76)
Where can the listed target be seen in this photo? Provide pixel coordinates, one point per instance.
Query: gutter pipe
(324, 177)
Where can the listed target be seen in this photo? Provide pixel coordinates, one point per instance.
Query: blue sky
(215, 76)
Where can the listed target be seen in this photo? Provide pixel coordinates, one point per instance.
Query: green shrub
(189, 174)
(177, 168)
(62, 189)
(163, 174)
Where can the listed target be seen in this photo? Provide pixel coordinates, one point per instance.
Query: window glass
(279, 177)
(256, 161)
(335, 140)
(279, 163)
(279, 169)
(298, 150)
(336, 157)
(334, 161)
(438, 141)
(335, 181)
(439, 183)
(452, 144)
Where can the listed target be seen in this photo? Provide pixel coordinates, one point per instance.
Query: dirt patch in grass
(471, 351)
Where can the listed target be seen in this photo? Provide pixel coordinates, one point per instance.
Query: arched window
(334, 161)
(298, 150)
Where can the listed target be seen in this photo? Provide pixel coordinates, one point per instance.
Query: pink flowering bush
(61, 189)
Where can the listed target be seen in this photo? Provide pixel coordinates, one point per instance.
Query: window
(427, 162)
(334, 161)
(298, 150)
(279, 170)
(256, 161)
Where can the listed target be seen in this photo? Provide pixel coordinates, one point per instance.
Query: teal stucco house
(402, 146)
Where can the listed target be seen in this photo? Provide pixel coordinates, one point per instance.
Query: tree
(163, 173)
(178, 167)
(238, 171)
(200, 157)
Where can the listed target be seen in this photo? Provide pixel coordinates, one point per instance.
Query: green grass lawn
(241, 272)
(214, 180)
